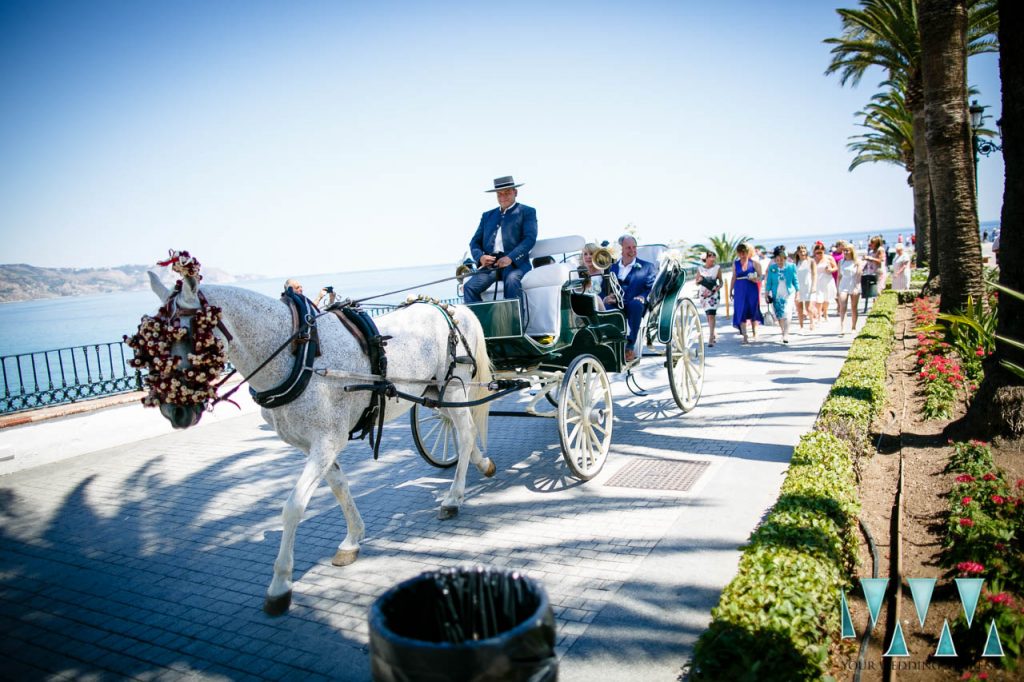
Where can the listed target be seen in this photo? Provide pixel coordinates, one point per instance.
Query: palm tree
(884, 33)
(998, 407)
(943, 26)
(724, 248)
(890, 133)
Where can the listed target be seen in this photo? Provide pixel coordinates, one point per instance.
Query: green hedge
(777, 617)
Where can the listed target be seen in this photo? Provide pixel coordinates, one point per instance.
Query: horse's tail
(483, 377)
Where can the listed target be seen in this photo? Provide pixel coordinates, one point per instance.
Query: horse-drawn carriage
(566, 348)
(312, 373)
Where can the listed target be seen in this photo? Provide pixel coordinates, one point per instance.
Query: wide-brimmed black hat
(504, 183)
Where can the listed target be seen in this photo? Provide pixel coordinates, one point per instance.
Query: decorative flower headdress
(167, 381)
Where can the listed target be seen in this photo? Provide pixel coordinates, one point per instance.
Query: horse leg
(279, 594)
(468, 451)
(348, 550)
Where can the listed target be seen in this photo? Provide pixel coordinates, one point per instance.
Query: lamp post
(982, 145)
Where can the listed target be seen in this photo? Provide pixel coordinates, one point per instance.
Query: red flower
(999, 546)
(964, 478)
(989, 477)
(970, 567)
(965, 501)
(980, 352)
(932, 377)
(967, 523)
(1020, 482)
(998, 499)
(1001, 598)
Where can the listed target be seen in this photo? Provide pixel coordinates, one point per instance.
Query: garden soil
(901, 432)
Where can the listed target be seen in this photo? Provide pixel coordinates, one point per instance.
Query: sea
(49, 324)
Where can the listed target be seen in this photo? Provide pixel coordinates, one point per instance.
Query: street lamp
(981, 145)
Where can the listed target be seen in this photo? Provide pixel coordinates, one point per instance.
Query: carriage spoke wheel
(685, 356)
(585, 416)
(434, 436)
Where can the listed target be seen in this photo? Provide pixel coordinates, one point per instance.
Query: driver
(635, 278)
(502, 244)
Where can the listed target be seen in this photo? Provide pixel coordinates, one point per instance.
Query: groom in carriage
(634, 279)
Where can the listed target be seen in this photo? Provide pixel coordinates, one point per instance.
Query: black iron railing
(68, 375)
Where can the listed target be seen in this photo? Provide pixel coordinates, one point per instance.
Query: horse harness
(305, 343)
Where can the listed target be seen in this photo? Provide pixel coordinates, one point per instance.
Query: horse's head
(179, 349)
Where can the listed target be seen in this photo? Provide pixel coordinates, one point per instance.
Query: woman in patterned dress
(709, 284)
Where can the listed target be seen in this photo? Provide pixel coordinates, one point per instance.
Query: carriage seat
(542, 286)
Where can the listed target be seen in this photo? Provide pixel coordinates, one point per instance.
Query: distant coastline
(22, 282)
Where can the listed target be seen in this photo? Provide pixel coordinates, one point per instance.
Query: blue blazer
(772, 279)
(637, 283)
(518, 234)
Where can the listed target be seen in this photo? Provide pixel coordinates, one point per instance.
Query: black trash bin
(869, 286)
(466, 624)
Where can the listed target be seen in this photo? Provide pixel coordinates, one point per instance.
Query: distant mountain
(20, 282)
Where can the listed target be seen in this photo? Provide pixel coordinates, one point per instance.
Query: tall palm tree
(998, 407)
(884, 34)
(948, 133)
(724, 248)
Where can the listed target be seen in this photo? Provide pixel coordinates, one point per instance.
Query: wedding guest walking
(901, 269)
(824, 285)
(806, 273)
(709, 280)
(781, 288)
(746, 302)
(849, 287)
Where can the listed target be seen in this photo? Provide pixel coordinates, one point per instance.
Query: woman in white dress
(901, 269)
(709, 284)
(824, 285)
(806, 272)
(849, 287)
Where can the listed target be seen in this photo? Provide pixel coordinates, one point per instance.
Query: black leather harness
(306, 348)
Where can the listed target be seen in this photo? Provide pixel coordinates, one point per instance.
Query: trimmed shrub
(776, 619)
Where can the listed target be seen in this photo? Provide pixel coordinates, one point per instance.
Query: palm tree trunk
(998, 407)
(943, 25)
(919, 175)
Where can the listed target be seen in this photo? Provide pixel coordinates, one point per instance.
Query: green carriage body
(584, 330)
(568, 373)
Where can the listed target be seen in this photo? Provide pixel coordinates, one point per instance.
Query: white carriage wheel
(434, 436)
(585, 416)
(685, 356)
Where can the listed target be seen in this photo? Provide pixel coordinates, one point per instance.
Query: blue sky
(301, 137)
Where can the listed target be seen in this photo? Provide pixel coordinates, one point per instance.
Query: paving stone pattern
(150, 560)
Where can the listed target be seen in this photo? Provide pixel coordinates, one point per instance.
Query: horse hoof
(490, 469)
(277, 606)
(344, 557)
(447, 513)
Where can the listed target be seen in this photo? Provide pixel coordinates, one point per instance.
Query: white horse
(318, 422)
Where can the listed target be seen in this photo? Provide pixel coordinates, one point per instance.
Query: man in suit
(635, 278)
(501, 244)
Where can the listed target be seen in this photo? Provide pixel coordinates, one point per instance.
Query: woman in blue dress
(746, 299)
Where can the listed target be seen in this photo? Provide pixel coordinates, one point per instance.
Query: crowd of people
(800, 284)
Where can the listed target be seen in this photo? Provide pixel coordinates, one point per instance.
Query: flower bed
(985, 539)
(776, 619)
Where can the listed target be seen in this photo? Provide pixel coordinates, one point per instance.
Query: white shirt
(499, 245)
(622, 271)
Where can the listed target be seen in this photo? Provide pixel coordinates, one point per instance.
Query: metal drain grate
(659, 474)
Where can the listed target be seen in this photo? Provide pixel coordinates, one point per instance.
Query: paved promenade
(147, 555)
